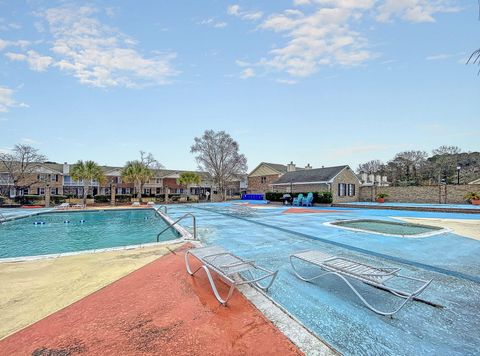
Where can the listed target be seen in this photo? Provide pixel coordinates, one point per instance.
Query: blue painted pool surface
(328, 307)
(62, 232)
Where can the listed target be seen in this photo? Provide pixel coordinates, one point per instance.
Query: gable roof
(316, 175)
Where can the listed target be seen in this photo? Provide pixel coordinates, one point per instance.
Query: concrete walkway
(36, 289)
(157, 309)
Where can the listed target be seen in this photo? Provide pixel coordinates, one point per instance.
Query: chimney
(291, 167)
(66, 168)
(308, 166)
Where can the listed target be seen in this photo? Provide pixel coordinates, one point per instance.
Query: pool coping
(185, 235)
(422, 235)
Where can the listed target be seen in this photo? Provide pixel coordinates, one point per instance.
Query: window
(263, 179)
(41, 191)
(127, 190)
(54, 191)
(351, 190)
(54, 177)
(342, 189)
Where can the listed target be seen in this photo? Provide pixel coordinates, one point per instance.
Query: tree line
(445, 165)
(216, 153)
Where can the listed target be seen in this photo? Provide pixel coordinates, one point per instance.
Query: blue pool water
(61, 232)
(328, 307)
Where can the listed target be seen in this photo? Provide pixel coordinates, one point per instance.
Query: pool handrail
(165, 209)
(2, 218)
(177, 221)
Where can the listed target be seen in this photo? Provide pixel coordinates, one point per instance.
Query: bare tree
(371, 167)
(21, 164)
(445, 159)
(149, 161)
(218, 154)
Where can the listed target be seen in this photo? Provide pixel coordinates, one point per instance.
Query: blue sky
(324, 82)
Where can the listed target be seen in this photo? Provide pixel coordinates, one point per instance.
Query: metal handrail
(177, 221)
(162, 206)
(2, 218)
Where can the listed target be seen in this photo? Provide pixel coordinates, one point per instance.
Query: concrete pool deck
(39, 288)
(462, 227)
(157, 309)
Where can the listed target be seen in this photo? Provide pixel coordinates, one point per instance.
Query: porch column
(113, 191)
(47, 195)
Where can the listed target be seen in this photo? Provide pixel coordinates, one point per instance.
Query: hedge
(318, 197)
(123, 198)
(102, 198)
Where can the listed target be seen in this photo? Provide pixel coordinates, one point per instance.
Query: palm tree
(189, 179)
(87, 172)
(137, 173)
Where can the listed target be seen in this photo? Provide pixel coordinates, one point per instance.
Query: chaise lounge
(228, 267)
(374, 276)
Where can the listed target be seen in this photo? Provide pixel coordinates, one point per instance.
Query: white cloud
(213, 23)
(247, 73)
(413, 10)
(287, 81)
(7, 101)
(95, 53)
(19, 43)
(437, 57)
(321, 37)
(36, 61)
(235, 10)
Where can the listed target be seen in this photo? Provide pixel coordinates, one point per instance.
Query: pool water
(61, 232)
(388, 227)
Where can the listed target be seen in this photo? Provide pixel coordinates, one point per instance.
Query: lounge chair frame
(346, 268)
(227, 266)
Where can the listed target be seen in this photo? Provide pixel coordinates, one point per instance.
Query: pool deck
(441, 208)
(39, 288)
(157, 309)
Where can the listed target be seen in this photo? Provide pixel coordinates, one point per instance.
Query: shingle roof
(278, 167)
(310, 175)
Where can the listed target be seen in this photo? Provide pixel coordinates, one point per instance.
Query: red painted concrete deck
(158, 309)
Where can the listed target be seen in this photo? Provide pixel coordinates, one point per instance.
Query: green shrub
(102, 199)
(123, 198)
(28, 199)
(324, 198)
(2, 200)
(58, 199)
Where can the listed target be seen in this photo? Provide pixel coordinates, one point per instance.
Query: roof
(310, 175)
(278, 167)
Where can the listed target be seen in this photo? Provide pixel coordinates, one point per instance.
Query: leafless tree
(21, 165)
(149, 161)
(371, 167)
(218, 154)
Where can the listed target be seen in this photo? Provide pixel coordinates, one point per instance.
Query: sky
(325, 82)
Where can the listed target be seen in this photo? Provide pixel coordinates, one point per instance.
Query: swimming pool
(391, 228)
(64, 232)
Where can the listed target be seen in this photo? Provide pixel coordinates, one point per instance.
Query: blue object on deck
(308, 200)
(298, 200)
(252, 196)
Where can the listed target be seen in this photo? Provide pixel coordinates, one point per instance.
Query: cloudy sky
(324, 82)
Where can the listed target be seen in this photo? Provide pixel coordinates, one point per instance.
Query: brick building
(341, 181)
(261, 178)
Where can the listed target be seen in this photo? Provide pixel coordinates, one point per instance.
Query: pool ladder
(2, 218)
(177, 221)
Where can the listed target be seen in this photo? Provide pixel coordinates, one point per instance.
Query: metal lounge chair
(345, 268)
(308, 200)
(227, 266)
(298, 200)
